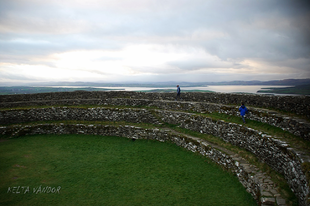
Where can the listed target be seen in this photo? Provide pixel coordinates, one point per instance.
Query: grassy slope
(94, 170)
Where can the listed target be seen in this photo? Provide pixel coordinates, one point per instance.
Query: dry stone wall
(295, 126)
(296, 104)
(81, 114)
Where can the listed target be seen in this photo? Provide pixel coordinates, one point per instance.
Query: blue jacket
(243, 110)
(178, 90)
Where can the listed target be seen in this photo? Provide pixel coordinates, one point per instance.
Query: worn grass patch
(96, 170)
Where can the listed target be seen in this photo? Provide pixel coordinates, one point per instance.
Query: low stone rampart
(80, 114)
(295, 126)
(296, 104)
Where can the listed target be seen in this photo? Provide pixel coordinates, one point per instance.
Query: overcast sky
(153, 40)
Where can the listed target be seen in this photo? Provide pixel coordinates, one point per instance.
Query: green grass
(96, 170)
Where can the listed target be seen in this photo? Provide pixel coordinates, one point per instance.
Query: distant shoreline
(243, 89)
(300, 89)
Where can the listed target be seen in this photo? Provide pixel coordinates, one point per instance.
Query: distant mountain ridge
(288, 82)
(294, 86)
(285, 82)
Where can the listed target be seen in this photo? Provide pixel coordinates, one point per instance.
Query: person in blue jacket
(178, 93)
(243, 110)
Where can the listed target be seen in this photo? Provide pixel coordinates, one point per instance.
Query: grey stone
(266, 194)
(268, 200)
(280, 201)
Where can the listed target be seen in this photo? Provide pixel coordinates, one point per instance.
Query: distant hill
(286, 82)
(299, 89)
(33, 90)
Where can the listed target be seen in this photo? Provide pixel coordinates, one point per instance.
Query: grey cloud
(275, 32)
(199, 63)
(7, 77)
(25, 46)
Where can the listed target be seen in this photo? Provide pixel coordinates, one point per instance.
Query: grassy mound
(96, 170)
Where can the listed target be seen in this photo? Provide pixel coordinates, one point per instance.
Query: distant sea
(218, 88)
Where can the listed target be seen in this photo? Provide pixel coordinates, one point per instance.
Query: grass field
(96, 170)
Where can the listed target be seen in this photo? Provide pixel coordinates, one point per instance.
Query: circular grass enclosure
(97, 170)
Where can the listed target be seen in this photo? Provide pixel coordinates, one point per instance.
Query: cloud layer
(151, 40)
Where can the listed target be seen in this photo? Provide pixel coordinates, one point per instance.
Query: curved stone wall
(297, 127)
(274, 152)
(81, 114)
(296, 104)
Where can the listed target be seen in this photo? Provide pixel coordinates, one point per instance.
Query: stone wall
(81, 114)
(274, 152)
(297, 127)
(296, 104)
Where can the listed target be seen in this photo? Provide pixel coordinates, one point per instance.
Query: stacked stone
(81, 114)
(295, 126)
(296, 104)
